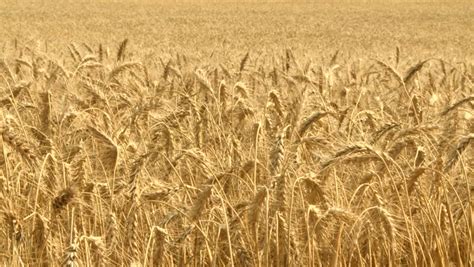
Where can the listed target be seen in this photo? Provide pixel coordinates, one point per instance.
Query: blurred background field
(312, 28)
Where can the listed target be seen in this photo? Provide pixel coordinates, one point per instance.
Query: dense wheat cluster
(246, 158)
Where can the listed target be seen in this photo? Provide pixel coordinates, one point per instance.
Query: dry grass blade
(255, 207)
(243, 62)
(74, 52)
(122, 49)
(199, 204)
(62, 199)
(391, 70)
(98, 250)
(315, 193)
(15, 92)
(40, 240)
(204, 82)
(122, 68)
(160, 235)
(457, 152)
(412, 71)
(110, 153)
(308, 121)
(457, 104)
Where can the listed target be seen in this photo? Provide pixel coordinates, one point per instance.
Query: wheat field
(143, 133)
